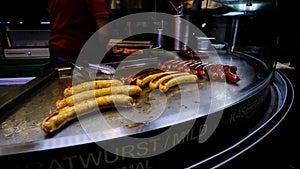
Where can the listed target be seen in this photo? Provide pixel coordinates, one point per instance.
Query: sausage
(144, 80)
(167, 84)
(201, 71)
(202, 55)
(231, 77)
(89, 85)
(180, 65)
(190, 54)
(211, 71)
(141, 74)
(154, 84)
(174, 65)
(123, 89)
(167, 64)
(219, 72)
(188, 67)
(57, 119)
(183, 66)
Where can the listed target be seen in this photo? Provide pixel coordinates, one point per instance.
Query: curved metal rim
(261, 131)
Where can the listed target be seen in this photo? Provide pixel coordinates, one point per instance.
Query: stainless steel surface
(203, 43)
(24, 124)
(14, 81)
(102, 68)
(29, 52)
(27, 38)
(249, 5)
(4, 89)
(9, 84)
(26, 43)
(21, 131)
(93, 71)
(180, 32)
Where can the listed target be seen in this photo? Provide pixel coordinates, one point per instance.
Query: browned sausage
(231, 77)
(154, 84)
(122, 89)
(167, 84)
(131, 79)
(89, 85)
(60, 117)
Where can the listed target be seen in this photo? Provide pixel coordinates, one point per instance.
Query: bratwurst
(154, 84)
(57, 119)
(177, 80)
(89, 85)
(122, 89)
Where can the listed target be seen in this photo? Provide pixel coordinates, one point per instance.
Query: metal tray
(20, 130)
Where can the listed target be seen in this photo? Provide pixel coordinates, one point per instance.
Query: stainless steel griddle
(20, 129)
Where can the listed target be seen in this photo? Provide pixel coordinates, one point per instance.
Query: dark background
(280, 149)
(29, 11)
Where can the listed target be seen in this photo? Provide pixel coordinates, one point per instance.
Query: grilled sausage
(167, 64)
(123, 89)
(140, 74)
(60, 117)
(89, 85)
(154, 84)
(144, 80)
(190, 54)
(203, 70)
(167, 84)
(231, 77)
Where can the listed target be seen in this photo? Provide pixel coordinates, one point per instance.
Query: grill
(241, 113)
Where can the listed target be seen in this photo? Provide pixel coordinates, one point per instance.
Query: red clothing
(72, 22)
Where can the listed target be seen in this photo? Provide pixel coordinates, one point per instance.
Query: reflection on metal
(235, 13)
(235, 27)
(248, 5)
(15, 80)
(181, 32)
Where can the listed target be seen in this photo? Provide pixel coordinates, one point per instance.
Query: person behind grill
(72, 23)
